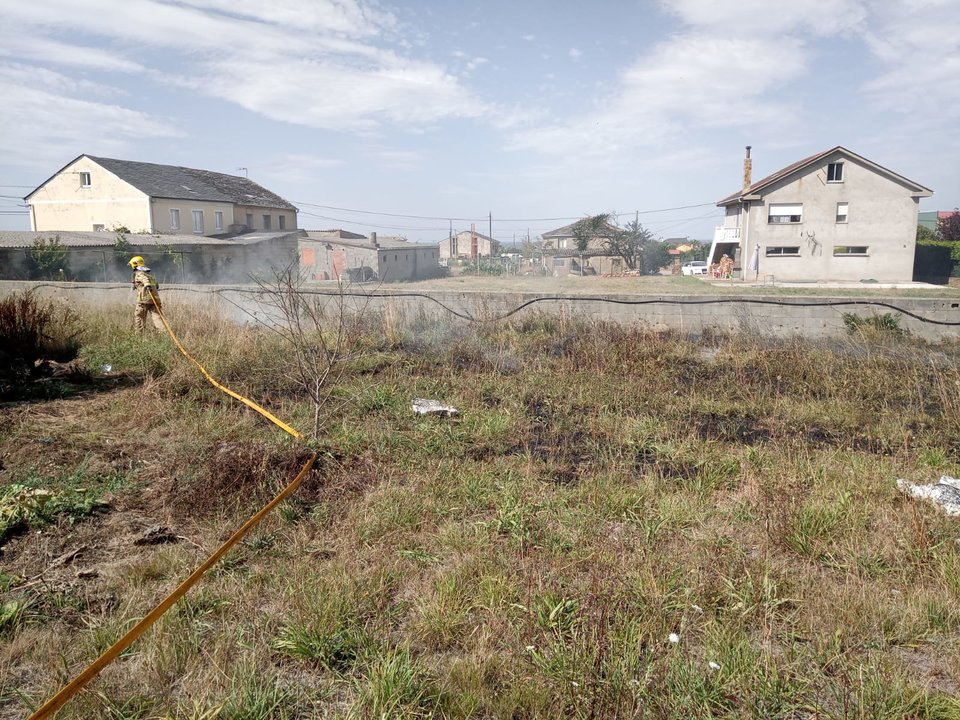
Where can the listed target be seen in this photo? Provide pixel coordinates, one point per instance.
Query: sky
(407, 119)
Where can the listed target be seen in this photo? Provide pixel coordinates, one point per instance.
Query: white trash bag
(945, 494)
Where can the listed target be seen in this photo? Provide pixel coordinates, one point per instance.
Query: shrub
(32, 329)
(886, 324)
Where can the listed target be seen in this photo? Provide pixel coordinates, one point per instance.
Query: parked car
(694, 267)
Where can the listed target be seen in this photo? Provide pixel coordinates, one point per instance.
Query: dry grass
(603, 489)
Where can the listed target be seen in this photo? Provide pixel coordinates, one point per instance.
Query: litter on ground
(945, 494)
(422, 406)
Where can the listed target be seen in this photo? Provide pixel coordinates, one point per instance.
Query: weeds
(603, 489)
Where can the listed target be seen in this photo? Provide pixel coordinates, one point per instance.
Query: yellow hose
(51, 706)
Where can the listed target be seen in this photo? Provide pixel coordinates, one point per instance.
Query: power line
(483, 218)
(374, 225)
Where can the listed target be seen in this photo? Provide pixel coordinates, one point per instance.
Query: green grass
(601, 489)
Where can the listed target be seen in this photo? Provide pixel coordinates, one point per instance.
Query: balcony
(726, 234)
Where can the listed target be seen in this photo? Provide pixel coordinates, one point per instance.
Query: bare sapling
(322, 330)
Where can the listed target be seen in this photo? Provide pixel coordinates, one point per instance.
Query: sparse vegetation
(619, 524)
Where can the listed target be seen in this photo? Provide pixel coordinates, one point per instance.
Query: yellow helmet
(136, 262)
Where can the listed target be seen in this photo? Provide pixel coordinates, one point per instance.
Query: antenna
(244, 172)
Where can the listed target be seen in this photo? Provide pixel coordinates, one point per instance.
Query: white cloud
(575, 53)
(43, 121)
(689, 80)
(917, 43)
(49, 51)
(475, 63)
(750, 18)
(529, 38)
(325, 64)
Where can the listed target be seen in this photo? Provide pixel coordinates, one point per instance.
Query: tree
(925, 234)
(948, 228)
(654, 255)
(629, 243)
(48, 259)
(585, 229)
(322, 331)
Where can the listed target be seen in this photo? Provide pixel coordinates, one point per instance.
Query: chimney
(373, 240)
(747, 170)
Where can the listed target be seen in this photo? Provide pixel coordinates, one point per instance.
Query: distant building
(349, 257)
(94, 193)
(469, 244)
(832, 216)
(561, 257)
(931, 220)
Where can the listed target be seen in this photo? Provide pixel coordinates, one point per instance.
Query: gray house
(561, 256)
(350, 257)
(832, 216)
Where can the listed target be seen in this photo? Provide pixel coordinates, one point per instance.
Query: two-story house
(469, 244)
(832, 216)
(96, 193)
(562, 257)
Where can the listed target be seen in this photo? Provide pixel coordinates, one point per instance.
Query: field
(617, 524)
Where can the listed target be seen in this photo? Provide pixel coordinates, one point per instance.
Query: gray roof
(757, 187)
(567, 230)
(181, 183)
(26, 238)
(478, 234)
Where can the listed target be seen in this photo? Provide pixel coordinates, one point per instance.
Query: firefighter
(148, 296)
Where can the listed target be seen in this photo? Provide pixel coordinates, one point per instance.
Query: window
(282, 221)
(559, 262)
(266, 222)
(848, 250)
(249, 221)
(198, 221)
(98, 227)
(174, 219)
(783, 251)
(218, 220)
(84, 179)
(835, 172)
(842, 212)
(783, 214)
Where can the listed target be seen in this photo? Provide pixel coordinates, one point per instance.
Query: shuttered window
(782, 213)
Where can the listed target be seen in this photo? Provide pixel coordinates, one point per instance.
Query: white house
(832, 216)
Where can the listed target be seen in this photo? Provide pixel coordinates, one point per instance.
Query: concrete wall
(160, 208)
(599, 264)
(882, 216)
(462, 246)
(332, 260)
(221, 263)
(777, 319)
(63, 204)
(240, 218)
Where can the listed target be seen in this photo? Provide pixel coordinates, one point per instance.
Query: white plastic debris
(713, 666)
(674, 638)
(697, 608)
(945, 493)
(422, 406)
(106, 368)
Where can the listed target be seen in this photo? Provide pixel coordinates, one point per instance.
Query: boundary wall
(771, 315)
